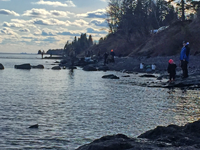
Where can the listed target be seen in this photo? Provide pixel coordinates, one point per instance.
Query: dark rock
(111, 76)
(1, 67)
(56, 68)
(34, 126)
(148, 76)
(103, 68)
(38, 67)
(72, 67)
(126, 76)
(89, 68)
(23, 66)
(172, 137)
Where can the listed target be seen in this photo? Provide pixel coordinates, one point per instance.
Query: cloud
(24, 30)
(42, 13)
(50, 40)
(50, 22)
(8, 31)
(91, 30)
(100, 13)
(101, 23)
(79, 23)
(15, 25)
(8, 12)
(68, 3)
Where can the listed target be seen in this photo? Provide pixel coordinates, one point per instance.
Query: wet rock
(1, 67)
(23, 66)
(103, 68)
(38, 67)
(172, 137)
(34, 126)
(148, 76)
(56, 68)
(72, 67)
(111, 76)
(126, 76)
(89, 68)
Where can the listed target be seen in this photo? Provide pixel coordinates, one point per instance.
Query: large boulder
(38, 67)
(23, 66)
(1, 67)
(110, 76)
(56, 68)
(89, 68)
(103, 68)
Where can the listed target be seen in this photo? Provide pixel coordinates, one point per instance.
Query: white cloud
(8, 12)
(42, 13)
(16, 25)
(8, 31)
(68, 3)
(24, 30)
(100, 13)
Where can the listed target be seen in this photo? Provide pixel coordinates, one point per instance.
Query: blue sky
(31, 25)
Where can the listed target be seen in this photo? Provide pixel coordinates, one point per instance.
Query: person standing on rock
(105, 56)
(184, 58)
(112, 56)
(171, 70)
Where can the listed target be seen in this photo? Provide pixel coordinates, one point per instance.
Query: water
(74, 108)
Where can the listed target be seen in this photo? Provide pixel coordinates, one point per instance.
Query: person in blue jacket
(184, 58)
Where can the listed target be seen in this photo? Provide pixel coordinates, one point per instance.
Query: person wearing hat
(184, 58)
(112, 56)
(171, 70)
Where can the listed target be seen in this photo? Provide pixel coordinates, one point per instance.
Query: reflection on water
(74, 107)
(186, 105)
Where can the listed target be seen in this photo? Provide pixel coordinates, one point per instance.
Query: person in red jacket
(171, 70)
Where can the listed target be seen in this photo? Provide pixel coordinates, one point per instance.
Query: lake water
(74, 108)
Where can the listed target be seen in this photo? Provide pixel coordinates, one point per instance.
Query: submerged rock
(110, 76)
(1, 67)
(23, 66)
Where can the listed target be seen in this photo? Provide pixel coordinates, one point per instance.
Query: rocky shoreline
(172, 137)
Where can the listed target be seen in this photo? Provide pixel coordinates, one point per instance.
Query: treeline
(142, 16)
(78, 45)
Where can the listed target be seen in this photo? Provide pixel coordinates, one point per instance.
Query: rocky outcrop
(38, 67)
(56, 68)
(110, 76)
(172, 137)
(23, 66)
(1, 67)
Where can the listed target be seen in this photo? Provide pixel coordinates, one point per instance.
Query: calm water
(74, 108)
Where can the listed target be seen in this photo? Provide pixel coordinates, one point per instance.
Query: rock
(103, 68)
(38, 67)
(34, 126)
(1, 67)
(172, 137)
(148, 76)
(72, 67)
(23, 66)
(111, 76)
(126, 76)
(89, 68)
(56, 68)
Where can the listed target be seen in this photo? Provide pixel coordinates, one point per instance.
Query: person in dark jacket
(105, 55)
(171, 70)
(184, 58)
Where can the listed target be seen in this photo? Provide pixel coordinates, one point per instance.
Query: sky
(32, 25)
